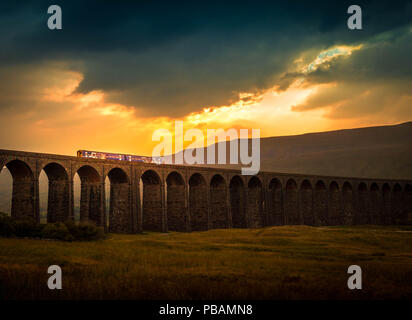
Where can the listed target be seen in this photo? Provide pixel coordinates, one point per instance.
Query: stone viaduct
(150, 197)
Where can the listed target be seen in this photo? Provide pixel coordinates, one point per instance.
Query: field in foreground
(290, 262)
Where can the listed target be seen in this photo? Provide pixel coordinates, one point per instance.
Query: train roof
(123, 154)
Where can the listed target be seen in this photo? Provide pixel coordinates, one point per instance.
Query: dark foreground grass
(272, 263)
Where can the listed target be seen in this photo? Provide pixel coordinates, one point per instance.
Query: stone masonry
(193, 198)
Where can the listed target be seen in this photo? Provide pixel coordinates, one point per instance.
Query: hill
(371, 152)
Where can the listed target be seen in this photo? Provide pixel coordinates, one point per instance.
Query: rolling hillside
(375, 152)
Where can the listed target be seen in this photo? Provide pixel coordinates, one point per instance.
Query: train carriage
(118, 156)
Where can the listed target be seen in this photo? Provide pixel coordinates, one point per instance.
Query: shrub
(71, 226)
(85, 231)
(68, 231)
(27, 228)
(57, 231)
(6, 225)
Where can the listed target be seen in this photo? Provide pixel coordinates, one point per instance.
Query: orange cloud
(62, 121)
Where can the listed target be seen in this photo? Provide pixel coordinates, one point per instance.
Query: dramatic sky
(119, 70)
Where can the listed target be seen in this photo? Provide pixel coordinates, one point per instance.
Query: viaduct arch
(150, 197)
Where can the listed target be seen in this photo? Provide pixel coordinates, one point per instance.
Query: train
(118, 156)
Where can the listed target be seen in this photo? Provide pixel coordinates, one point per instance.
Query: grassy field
(291, 262)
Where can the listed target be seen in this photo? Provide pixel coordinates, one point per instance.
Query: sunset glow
(61, 105)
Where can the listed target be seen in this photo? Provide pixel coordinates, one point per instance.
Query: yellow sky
(63, 121)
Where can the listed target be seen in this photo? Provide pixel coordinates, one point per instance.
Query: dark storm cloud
(171, 58)
(374, 78)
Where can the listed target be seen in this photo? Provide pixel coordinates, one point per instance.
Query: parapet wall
(189, 198)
